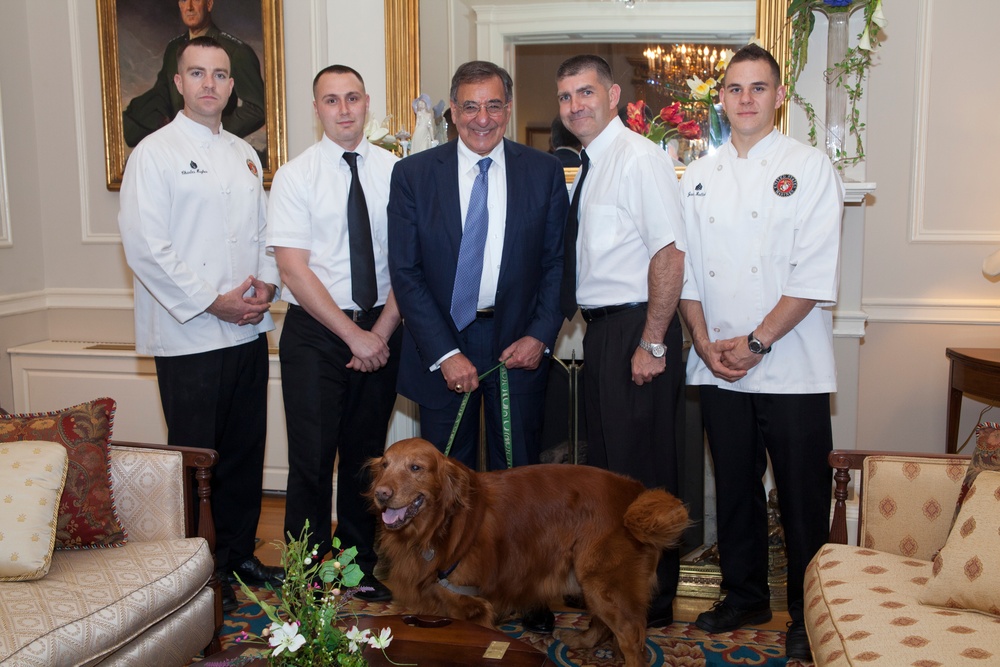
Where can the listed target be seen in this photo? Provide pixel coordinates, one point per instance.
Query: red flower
(672, 114)
(636, 115)
(689, 129)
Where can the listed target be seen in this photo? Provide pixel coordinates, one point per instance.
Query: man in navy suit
(475, 257)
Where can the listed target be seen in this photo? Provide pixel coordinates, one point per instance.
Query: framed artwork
(138, 41)
(538, 137)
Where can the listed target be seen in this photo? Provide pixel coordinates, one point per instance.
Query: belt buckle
(356, 315)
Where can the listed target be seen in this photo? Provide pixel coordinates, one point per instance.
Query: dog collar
(460, 590)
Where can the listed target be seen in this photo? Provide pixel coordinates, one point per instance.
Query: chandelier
(629, 4)
(669, 68)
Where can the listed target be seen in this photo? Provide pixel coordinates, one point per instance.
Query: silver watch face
(655, 349)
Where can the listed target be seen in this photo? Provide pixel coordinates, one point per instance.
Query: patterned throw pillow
(32, 477)
(967, 569)
(87, 516)
(986, 457)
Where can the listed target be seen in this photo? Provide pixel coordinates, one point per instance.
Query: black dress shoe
(255, 573)
(661, 613)
(229, 601)
(379, 592)
(726, 617)
(797, 642)
(539, 620)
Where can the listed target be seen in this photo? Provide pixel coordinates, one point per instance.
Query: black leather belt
(355, 315)
(591, 314)
(484, 314)
(364, 315)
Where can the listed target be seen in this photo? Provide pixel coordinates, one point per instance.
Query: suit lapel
(512, 229)
(446, 182)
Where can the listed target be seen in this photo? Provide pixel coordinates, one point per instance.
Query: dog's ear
(456, 483)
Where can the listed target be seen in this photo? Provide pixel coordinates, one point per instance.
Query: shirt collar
(467, 159)
(759, 149)
(603, 141)
(195, 129)
(335, 151)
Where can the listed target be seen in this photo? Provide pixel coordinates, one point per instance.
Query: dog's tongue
(391, 516)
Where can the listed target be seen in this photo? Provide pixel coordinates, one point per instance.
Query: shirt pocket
(602, 226)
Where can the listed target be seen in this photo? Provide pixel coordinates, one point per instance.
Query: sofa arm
(913, 504)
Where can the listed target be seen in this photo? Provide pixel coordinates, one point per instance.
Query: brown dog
(482, 546)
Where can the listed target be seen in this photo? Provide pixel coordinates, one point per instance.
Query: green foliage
(848, 73)
(314, 596)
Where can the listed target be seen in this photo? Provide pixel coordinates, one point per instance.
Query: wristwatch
(655, 349)
(755, 345)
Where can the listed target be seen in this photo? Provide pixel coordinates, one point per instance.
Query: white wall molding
(849, 324)
(933, 311)
(76, 25)
(6, 237)
(918, 231)
(30, 302)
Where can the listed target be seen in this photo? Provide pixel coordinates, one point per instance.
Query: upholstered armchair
(875, 603)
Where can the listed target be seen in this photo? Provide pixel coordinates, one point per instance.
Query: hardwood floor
(269, 529)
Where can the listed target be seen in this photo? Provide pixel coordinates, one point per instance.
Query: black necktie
(364, 289)
(567, 295)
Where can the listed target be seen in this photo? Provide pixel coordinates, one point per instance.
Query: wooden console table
(976, 371)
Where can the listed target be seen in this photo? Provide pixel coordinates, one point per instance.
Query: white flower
(701, 88)
(878, 18)
(307, 561)
(724, 58)
(866, 43)
(356, 638)
(384, 639)
(285, 636)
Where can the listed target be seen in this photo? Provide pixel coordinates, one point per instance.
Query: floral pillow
(87, 515)
(967, 569)
(986, 457)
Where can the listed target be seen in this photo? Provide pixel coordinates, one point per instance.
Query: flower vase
(718, 130)
(836, 94)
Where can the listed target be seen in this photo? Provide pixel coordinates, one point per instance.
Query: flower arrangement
(664, 126)
(848, 73)
(706, 92)
(303, 630)
(380, 135)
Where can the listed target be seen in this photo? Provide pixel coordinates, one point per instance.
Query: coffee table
(429, 641)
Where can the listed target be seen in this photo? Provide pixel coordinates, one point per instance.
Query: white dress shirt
(496, 204)
(307, 210)
(192, 222)
(629, 211)
(759, 228)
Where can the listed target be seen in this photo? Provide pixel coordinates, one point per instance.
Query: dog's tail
(657, 518)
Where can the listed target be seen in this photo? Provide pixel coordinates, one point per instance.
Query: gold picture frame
(402, 54)
(131, 34)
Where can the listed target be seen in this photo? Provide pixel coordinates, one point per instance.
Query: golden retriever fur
(522, 538)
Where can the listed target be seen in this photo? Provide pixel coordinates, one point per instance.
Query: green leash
(504, 414)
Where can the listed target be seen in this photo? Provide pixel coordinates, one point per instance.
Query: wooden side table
(976, 371)
(429, 641)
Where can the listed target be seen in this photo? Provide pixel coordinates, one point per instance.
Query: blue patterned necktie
(469, 274)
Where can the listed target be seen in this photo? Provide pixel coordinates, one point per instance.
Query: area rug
(680, 644)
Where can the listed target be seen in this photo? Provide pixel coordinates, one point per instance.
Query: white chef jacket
(192, 223)
(307, 210)
(759, 228)
(629, 211)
